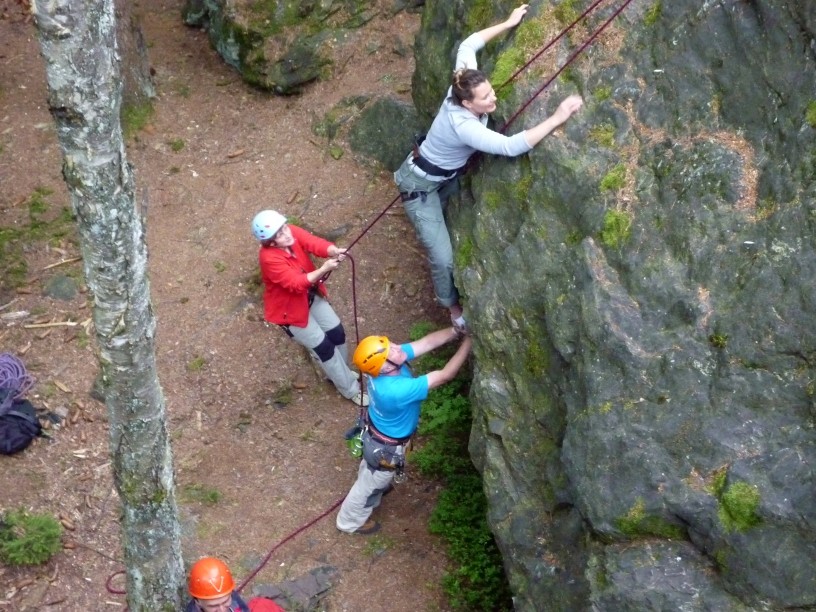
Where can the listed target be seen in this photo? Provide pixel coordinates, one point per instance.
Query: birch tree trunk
(78, 43)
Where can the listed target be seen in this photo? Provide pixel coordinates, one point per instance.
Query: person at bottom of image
(295, 296)
(395, 397)
(213, 590)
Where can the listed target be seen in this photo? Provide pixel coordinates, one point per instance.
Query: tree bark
(78, 43)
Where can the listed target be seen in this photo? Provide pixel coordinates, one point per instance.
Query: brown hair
(464, 80)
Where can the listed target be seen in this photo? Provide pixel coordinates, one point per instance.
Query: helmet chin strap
(397, 366)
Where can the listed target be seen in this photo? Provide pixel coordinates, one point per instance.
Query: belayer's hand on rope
(338, 252)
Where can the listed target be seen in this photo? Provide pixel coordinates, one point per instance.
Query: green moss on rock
(637, 524)
(614, 179)
(738, 507)
(810, 114)
(617, 227)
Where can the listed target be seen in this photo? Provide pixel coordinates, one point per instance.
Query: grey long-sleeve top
(456, 133)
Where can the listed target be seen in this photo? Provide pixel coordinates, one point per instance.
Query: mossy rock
(277, 45)
(385, 131)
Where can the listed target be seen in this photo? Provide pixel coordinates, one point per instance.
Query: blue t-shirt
(394, 400)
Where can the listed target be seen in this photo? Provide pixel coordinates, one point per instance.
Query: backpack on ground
(18, 427)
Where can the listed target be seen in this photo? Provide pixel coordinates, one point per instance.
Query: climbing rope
(371, 224)
(515, 75)
(368, 227)
(300, 529)
(15, 381)
(550, 44)
(570, 59)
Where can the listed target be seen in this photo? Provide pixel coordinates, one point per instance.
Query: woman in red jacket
(295, 297)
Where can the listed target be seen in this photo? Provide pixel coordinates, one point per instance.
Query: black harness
(430, 168)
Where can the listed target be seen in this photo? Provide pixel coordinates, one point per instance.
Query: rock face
(278, 45)
(642, 287)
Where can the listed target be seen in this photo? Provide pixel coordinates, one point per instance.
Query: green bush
(476, 580)
(29, 539)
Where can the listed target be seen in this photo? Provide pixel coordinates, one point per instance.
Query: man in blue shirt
(395, 396)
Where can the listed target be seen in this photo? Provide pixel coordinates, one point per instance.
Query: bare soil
(276, 467)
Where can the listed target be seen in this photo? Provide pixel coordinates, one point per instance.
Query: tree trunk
(137, 82)
(78, 43)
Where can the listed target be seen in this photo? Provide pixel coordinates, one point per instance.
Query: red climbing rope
(550, 44)
(368, 227)
(297, 531)
(570, 59)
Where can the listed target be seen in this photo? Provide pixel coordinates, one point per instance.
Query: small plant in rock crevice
(719, 341)
(614, 179)
(603, 134)
(617, 227)
(810, 113)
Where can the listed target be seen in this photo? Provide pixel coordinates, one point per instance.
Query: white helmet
(267, 223)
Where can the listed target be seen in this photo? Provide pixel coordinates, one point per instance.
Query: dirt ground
(275, 467)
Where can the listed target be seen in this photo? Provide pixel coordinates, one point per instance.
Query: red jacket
(286, 288)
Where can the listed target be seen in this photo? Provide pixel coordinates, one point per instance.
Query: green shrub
(45, 223)
(603, 93)
(566, 12)
(197, 364)
(603, 134)
(176, 145)
(477, 580)
(719, 341)
(636, 524)
(200, 494)
(29, 539)
(135, 117)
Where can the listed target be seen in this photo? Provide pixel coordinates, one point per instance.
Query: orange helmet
(210, 578)
(371, 354)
